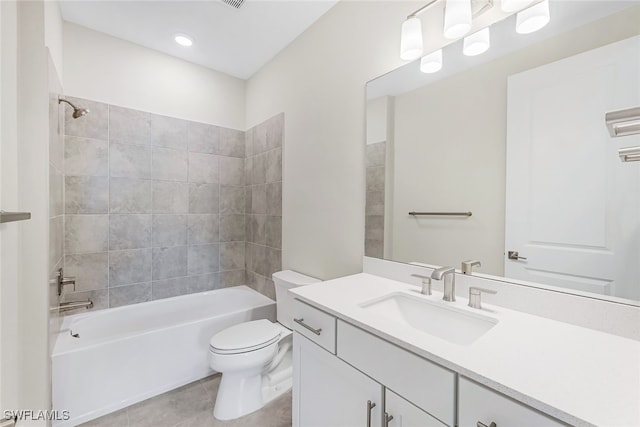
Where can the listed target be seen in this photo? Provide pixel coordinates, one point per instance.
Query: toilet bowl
(255, 357)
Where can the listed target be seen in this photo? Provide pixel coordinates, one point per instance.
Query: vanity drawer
(479, 404)
(316, 325)
(421, 382)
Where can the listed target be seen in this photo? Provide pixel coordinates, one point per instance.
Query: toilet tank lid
(295, 278)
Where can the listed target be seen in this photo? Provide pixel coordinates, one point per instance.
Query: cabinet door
(477, 403)
(405, 414)
(329, 393)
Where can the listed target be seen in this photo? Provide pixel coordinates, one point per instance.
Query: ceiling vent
(237, 4)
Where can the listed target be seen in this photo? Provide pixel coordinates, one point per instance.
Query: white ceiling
(235, 41)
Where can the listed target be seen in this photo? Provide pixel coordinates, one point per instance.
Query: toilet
(255, 358)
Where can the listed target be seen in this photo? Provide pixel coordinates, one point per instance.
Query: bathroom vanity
(370, 351)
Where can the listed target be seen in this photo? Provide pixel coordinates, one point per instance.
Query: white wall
(53, 33)
(319, 83)
(114, 71)
(377, 120)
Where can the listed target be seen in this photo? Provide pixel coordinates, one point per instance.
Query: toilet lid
(245, 337)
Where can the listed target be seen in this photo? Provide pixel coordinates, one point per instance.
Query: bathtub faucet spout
(73, 305)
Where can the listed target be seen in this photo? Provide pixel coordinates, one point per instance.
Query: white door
(572, 207)
(329, 393)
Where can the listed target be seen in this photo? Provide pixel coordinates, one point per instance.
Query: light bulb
(514, 5)
(533, 18)
(431, 63)
(477, 43)
(183, 40)
(457, 18)
(411, 39)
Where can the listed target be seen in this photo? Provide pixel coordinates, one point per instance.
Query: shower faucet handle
(64, 281)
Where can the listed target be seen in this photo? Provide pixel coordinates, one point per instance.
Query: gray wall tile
(231, 143)
(259, 199)
(273, 232)
(169, 230)
(84, 156)
(203, 138)
(232, 256)
(275, 131)
(56, 132)
(248, 256)
(56, 240)
(203, 168)
(375, 178)
(203, 229)
(274, 199)
(231, 171)
(93, 125)
(169, 165)
(56, 192)
(374, 248)
(129, 161)
(374, 227)
(127, 125)
(129, 195)
(375, 154)
(232, 200)
(259, 168)
(232, 278)
(86, 194)
(260, 138)
(129, 232)
(90, 270)
(170, 287)
(274, 261)
(126, 295)
(259, 259)
(204, 282)
(232, 228)
(169, 262)
(274, 165)
(170, 197)
(258, 230)
(204, 198)
(131, 266)
(204, 259)
(86, 233)
(168, 132)
(374, 203)
(248, 143)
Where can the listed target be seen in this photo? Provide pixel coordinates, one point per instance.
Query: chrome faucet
(467, 266)
(449, 276)
(72, 305)
(426, 284)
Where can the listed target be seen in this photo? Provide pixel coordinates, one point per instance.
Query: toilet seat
(245, 337)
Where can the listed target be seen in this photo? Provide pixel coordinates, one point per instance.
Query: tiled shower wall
(374, 208)
(154, 205)
(263, 175)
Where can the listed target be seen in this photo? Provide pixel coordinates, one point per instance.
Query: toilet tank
(283, 281)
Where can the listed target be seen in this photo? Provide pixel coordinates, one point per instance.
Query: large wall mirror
(508, 156)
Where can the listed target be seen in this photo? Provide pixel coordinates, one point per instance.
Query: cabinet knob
(481, 424)
(370, 406)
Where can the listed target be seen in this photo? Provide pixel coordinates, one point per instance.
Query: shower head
(77, 112)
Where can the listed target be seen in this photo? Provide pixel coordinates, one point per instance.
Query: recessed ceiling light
(183, 40)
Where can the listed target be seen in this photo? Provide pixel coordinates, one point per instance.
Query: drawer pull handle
(304, 325)
(480, 424)
(387, 418)
(370, 406)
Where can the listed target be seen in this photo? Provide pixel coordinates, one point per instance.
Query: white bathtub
(127, 354)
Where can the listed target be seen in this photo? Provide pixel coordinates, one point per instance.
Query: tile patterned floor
(192, 406)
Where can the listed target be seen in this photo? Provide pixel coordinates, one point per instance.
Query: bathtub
(120, 356)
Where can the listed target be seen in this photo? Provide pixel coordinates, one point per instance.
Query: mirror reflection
(506, 157)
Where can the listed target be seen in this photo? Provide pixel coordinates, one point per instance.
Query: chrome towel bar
(440, 213)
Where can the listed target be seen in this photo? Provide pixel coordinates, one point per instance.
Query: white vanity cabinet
(405, 414)
(479, 404)
(330, 393)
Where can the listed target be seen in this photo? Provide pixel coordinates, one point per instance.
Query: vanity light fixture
(411, 39)
(623, 122)
(457, 18)
(431, 63)
(183, 40)
(533, 18)
(477, 43)
(629, 154)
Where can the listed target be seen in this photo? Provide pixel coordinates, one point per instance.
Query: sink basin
(432, 317)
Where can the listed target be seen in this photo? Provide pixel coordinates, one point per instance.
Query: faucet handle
(475, 295)
(467, 266)
(426, 284)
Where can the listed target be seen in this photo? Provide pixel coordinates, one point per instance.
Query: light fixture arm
(422, 9)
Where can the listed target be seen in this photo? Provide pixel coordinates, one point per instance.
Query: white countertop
(575, 374)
